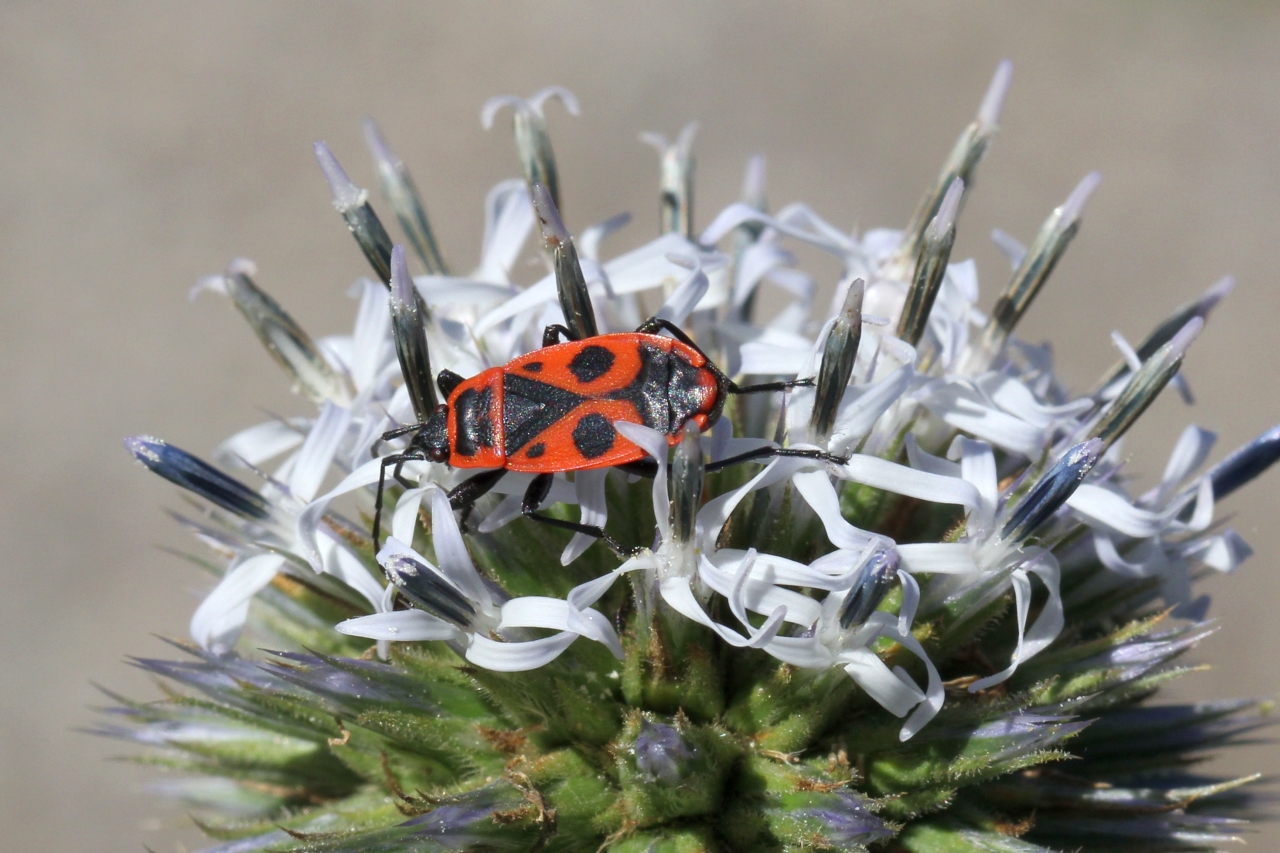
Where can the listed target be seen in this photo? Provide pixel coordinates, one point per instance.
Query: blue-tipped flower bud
(409, 327)
(839, 352)
(661, 752)
(1246, 463)
(870, 588)
(1052, 490)
(575, 301)
(402, 194)
(428, 589)
(843, 820)
(196, 475)
(1146, 384)
(353, 203)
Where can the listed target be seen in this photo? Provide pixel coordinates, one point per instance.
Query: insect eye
(438, 455)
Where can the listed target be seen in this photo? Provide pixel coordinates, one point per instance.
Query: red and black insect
(553, 410)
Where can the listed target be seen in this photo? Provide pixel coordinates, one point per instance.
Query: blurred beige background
(145, 144)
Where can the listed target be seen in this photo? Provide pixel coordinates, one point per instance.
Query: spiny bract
(937, 632)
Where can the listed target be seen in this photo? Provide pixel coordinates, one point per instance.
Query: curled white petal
(517, 657)
(400, 626)
(217, 622)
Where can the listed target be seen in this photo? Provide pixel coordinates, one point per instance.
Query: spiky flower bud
(873, 619)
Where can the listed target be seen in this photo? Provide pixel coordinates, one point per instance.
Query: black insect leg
(464, 495)
(552, 334)
(657, 324)
(766, 387)
(394, 433)
(398, 460)
(537, 493)
(769, 452)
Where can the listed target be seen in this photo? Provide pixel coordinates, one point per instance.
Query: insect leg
(766, 387)
(552, 334)
(537, 493)
(396, 459)
(464, 495)
(393, 433)
(658, 324)
(769, 452)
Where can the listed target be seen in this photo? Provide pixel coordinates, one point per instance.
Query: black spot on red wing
(532, 366)
(536, 450)
(472, 424)
(594, 435)
(591, 363)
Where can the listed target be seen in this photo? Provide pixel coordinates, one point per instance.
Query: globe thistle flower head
(545, 571)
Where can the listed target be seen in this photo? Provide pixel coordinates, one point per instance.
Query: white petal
(405, 519)
(894, 694)
(210, 626)
(645, 268)
(830, 572)
(1014, 397)
(949, 558)
(715, 512)
(684, 298)
(738, 580)
(309, 518)
(806, 652)
(589, 486)
(910, 601)
(507, 511)
(1144, 561)
(859, 415)
(816, 489)
(1047, 625)
(402, 626)
(451, 552)
(371, 339)
(1009, 246)
(1188, 454)
(677, 593)
(934, 692)
(508, 220)
(536, 611)
(348, 568)
(892, 477)
(739, 214)
(517, 657)
(317, 451)
(656, 445)
(257, 444)
(978, 466)
(1104, 508)
(1224, 552)
(924, 461)
(588, 242)
(959, 405)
